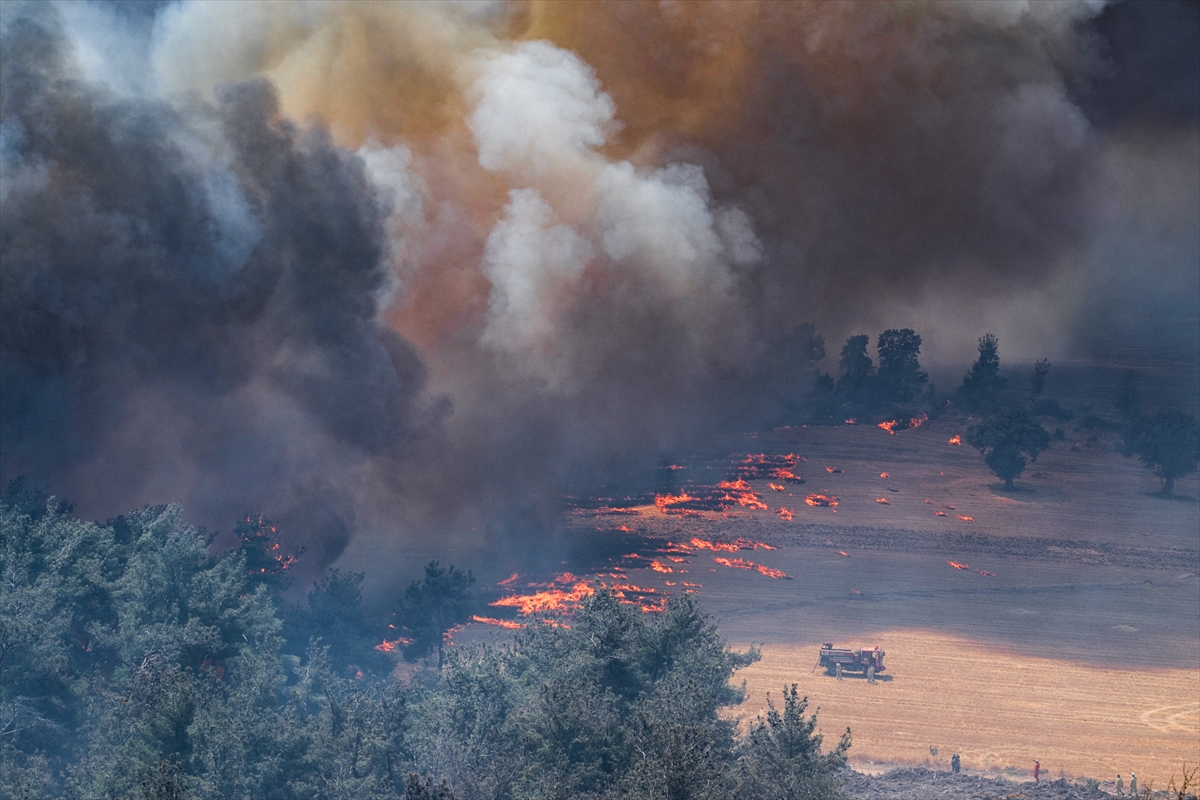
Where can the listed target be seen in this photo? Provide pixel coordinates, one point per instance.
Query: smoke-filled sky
(337, 262)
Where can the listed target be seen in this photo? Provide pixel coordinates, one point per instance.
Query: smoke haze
(338, 262)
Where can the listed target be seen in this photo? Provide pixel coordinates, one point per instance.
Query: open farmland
(1072, 635)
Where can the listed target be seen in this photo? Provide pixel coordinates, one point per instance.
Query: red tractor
(837, 660)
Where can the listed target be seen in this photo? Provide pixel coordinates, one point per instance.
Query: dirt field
(1080, 647)
(999, 710)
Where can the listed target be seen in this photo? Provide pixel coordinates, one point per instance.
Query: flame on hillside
(966, 519)
(941, 514)
(741, 563)
(834, 470)
(785, 514)
(775, 487)
(893, 425)
(882, 500)
(957, 565)
(884, 475)
(499, 623)
(658, 566)
(822, 500)
(728, 547)
(510, 579)
(955, 440)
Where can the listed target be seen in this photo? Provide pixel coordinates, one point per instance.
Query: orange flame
(785, 514)
(730, 547)
(884, 475)
(851, 421)
(547, 599)
(775, 487)
(882, 500)
(955, 440)
(741, 563)
(941, 513)
(844, 553)
(658, 566)
(499, 623)
(892, 425)
(823, 500)
(665, 501)
(966, 519)
(957, 565)
(833, 470)
(508, 580)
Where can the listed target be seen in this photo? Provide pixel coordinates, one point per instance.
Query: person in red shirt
(1037, 768)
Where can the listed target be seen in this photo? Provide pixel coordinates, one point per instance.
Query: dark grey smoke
(190, 303)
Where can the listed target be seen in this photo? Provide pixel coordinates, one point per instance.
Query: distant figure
(1120, 786)
(955, 764)
(1037, 770)
(1132, 783)
(838, 670)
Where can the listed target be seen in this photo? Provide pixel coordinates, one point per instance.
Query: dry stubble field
(1082, 650)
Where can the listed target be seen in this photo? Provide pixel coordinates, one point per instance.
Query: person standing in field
(1120, 786)
(1132, 783)
(1037, 769)
(955, 763)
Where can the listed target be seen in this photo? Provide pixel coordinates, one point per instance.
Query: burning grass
(741, 563)
(882, 501)
(821, 500)
(958, 565)
(893, 425)
(785, 514)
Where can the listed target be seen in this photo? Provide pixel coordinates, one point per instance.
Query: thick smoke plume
(347, 263)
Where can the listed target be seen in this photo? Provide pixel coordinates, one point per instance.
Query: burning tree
(1006, 440)
(1167, 442)
(900, 373)
(433, 606)
(983, 382)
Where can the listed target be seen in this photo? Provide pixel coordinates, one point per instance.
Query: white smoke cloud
(669, 254)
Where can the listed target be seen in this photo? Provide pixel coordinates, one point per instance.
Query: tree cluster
(137, 663)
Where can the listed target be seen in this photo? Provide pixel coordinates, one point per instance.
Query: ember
(851, 422)
(884, 475)
(823, 500)
(941, 514)
(883, 500)
(843, 553)
(658, 566)
(499, 623)
(775, 487)
(966, 519)
(508, 580)
(833, 470)
(957, 565)
(785, 514)
(956, 440)
(741, 563)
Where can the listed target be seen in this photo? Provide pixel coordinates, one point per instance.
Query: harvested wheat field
(999, 710)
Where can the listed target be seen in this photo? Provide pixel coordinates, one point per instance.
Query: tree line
(1010, 433)
(136, 662)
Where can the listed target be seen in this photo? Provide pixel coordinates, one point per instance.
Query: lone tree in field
(1006, 441)
(857, 369)
(900, 372)
(433, 606)
(983, 382)
(1167, 442)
